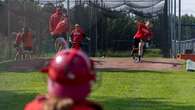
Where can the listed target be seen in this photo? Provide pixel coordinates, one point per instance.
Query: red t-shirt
(148, 34)
(38, 104)
(18, 38)
(27, 39)
(54, 20)
(77, 36)
(62, 27)
(143, 32)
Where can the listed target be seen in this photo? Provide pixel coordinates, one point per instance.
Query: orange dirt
(125, 64)
(111, 64)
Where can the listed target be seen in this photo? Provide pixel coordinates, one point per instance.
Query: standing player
(55, 18)
(61, 28)
(70, 77)
(77, 37)
(60, 33)
(27, 42)
(143, 34)
(18, 46)
(58, 27)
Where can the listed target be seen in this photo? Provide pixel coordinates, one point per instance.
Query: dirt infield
(106, 64)
(23, 66)
(126, 64)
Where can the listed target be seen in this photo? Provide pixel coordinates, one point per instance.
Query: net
(140, 7)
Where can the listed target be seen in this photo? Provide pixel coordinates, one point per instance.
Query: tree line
(108, 30)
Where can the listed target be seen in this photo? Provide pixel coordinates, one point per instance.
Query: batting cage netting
(109, 24)
(140, 7)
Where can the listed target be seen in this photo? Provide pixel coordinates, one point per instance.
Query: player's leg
(27, 53)
(141, 48)
(17, 56)
(134, 51)
(21, 53)
(59, 44)
(56, 45)
(18, 53)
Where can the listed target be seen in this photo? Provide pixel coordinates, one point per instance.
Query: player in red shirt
(18, 46)
(142, 35)
(77, 36)
(55, 18)
(27, 39)
(60, 32)
(70, 77)
(61, 29)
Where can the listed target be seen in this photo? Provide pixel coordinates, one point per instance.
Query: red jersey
(54, 20)
(38, 104)
(62, 27)
(18, 38)
(77, 36)
(143, 32)
(148, 34)
(27, 39)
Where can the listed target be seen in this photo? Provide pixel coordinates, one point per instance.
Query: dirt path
(109, 64)
(125, 64)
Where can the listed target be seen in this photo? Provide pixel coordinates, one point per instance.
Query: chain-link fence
(187, 41)
(108, 23)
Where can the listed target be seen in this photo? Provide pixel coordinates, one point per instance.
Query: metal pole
(8, 28)
(171, 25)
(8, 15)
(90, 30)
(68, 13)
(96, 36)
(24, 13)
(179, 26)
(175, 27)
(168, 7)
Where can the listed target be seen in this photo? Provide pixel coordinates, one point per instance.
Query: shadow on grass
(14, 100)
(33, 65)
(113, 103)
(161, 62)
(118, 70)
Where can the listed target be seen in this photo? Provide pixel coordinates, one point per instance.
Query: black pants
(136, 43)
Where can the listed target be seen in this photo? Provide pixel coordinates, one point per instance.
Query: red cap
(70, 67)
(71, 74)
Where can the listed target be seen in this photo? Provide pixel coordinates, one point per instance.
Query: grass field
(133, 90)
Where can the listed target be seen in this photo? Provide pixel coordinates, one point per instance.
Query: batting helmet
(70, 74)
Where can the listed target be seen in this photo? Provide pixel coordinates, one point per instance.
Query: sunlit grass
(133, 90)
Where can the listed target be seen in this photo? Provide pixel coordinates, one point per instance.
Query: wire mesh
(152, 7)
(98, 18)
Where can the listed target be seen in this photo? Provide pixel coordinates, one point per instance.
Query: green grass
(153, 53)
(133, 90)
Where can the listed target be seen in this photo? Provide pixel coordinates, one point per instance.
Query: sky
(188, 6)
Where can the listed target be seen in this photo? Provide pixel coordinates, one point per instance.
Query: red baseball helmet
(70, 67)
(71, 74)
